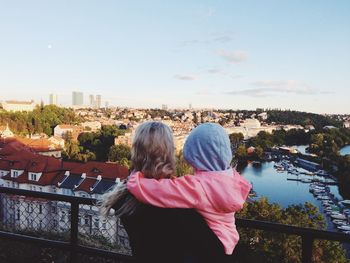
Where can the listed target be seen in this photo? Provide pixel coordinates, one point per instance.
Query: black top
(172, 235)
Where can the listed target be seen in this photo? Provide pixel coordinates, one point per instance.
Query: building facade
(13, 105)
(23, 169)
(77, 98)
(53, 99)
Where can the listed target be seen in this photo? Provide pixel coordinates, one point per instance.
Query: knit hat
(208, 148)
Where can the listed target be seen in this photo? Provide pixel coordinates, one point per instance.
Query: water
(267, 182)
(345, 150)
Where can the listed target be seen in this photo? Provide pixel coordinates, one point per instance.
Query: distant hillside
(301, 118)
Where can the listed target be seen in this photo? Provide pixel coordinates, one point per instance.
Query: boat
(339, 216)
(306, 180)
(339, 222)
(346, 227)
(322, 173)
(345, 202)
(322, 197)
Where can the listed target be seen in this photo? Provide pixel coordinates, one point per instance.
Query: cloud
(219, 38)
(214, 71)
(205, 92)
(272, 87)
(185, 77)
(286, 86)
(233, 56)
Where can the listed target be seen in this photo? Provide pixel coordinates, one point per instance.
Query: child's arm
(243, 190)
(181, 192)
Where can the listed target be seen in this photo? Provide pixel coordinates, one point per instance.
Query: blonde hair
(153, 150)
(153, 154)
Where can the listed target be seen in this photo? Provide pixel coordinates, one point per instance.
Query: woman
(157, 234)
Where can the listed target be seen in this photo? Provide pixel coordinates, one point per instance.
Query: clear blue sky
(228, 54)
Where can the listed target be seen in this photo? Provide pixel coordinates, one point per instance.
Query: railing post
(74, 231)
(306, 248)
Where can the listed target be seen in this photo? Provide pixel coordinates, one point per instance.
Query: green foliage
(236, 138)
(182, 167)
(301, 118)
(328, 142)
(241, 152)
(99, 143)
(41, 120)
(121, 154)
(271, 247)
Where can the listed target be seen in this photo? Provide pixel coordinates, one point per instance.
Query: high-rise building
(164, 107)
(98, 101)
(53, 99)
(92, 103)
(77, 98)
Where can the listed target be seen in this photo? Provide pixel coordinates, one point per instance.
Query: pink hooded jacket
(216, 195)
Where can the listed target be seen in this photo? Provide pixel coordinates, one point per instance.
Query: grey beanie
(208, 148)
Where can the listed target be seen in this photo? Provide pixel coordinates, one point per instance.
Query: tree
(241, 152)
(118, 153)
(259, 152)
(274, 247)
(182, 167)
(236, 138)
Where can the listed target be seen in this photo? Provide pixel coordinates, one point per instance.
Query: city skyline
(230, 55)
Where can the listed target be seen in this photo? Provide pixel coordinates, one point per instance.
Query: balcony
(69, 226)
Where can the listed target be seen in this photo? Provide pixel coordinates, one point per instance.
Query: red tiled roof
(39, 145)
(58, 178)
(40, 163)
(5, 165)
(106, 170)
(86, 184)
(11, 146)
(67, 166)
(15, 155)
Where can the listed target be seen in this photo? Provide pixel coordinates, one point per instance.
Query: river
(267, 182)
(345, 150)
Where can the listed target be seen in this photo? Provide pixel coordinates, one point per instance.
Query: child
(215, 190)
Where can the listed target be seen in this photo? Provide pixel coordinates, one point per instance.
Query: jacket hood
(208, 148)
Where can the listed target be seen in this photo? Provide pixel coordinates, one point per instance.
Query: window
(86, 220)
(63, 216)
(97, 222)
(40, 209)
(18, 214)
(54, 209)
(15, 174)
(104, 224)
(32, 176)
(40, 224)
(30, 208)
(54, 222)
(30, 222)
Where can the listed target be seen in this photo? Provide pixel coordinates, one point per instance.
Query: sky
(211, 54)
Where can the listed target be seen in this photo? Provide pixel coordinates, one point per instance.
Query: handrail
(308, 235)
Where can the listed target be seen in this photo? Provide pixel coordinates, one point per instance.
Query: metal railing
(307, 235)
